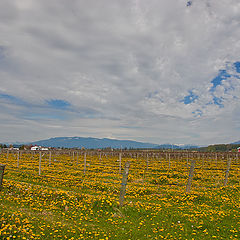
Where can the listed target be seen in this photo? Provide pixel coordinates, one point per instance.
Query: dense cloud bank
(158, 71)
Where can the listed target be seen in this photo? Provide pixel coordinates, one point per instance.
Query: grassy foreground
(63, 203)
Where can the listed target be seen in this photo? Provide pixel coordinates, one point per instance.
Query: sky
(154, 71)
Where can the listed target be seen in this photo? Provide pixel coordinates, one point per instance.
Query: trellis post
(2, 167)
(120, 163)
(85, 162)
(124, 184)
(190, 176)
(227, 171)
(147, 161)
(40, 160)
(50, 158)
(18, 156)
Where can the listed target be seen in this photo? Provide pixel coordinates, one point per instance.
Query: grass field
(65, 203)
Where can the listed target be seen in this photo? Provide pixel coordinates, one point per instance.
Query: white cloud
(124, 66)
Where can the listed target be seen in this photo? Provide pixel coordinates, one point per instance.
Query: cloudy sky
(161, 71)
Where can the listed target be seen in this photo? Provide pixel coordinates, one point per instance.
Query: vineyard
(119, 195)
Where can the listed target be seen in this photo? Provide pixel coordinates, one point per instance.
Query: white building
(44, 149)
(35, 148)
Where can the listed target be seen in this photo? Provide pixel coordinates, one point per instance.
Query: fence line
(160, 167)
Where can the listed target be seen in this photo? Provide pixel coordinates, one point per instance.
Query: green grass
(86, 207)
(42, 212)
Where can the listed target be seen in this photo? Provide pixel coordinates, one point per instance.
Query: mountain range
(94, 143)
(88, 142)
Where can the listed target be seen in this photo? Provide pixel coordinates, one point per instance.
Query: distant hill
(93, 143)
(221, 147)
(173, 146)
(79, 142)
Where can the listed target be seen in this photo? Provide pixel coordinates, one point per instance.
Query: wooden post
(166, 158)
(77, 157)
(50, 158)
(199, 157)
(124, 184)
(190, 176)
(147, 161)
(7, 154)
(2, 167)
(169, 161)
(85, 162)
(40, 160)
(18, 156)
(73, 156)
(227, 171)
(120, 163)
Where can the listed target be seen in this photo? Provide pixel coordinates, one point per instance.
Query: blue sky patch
(218, 101)
(189, 98)
(237, 66)
(10, 98)
(7, 97)
(58, 103)
(218, 80)
(189, 3)
(197, 113)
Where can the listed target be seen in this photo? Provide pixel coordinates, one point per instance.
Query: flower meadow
(75, 195)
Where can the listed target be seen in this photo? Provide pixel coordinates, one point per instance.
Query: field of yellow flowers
(64, 196)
